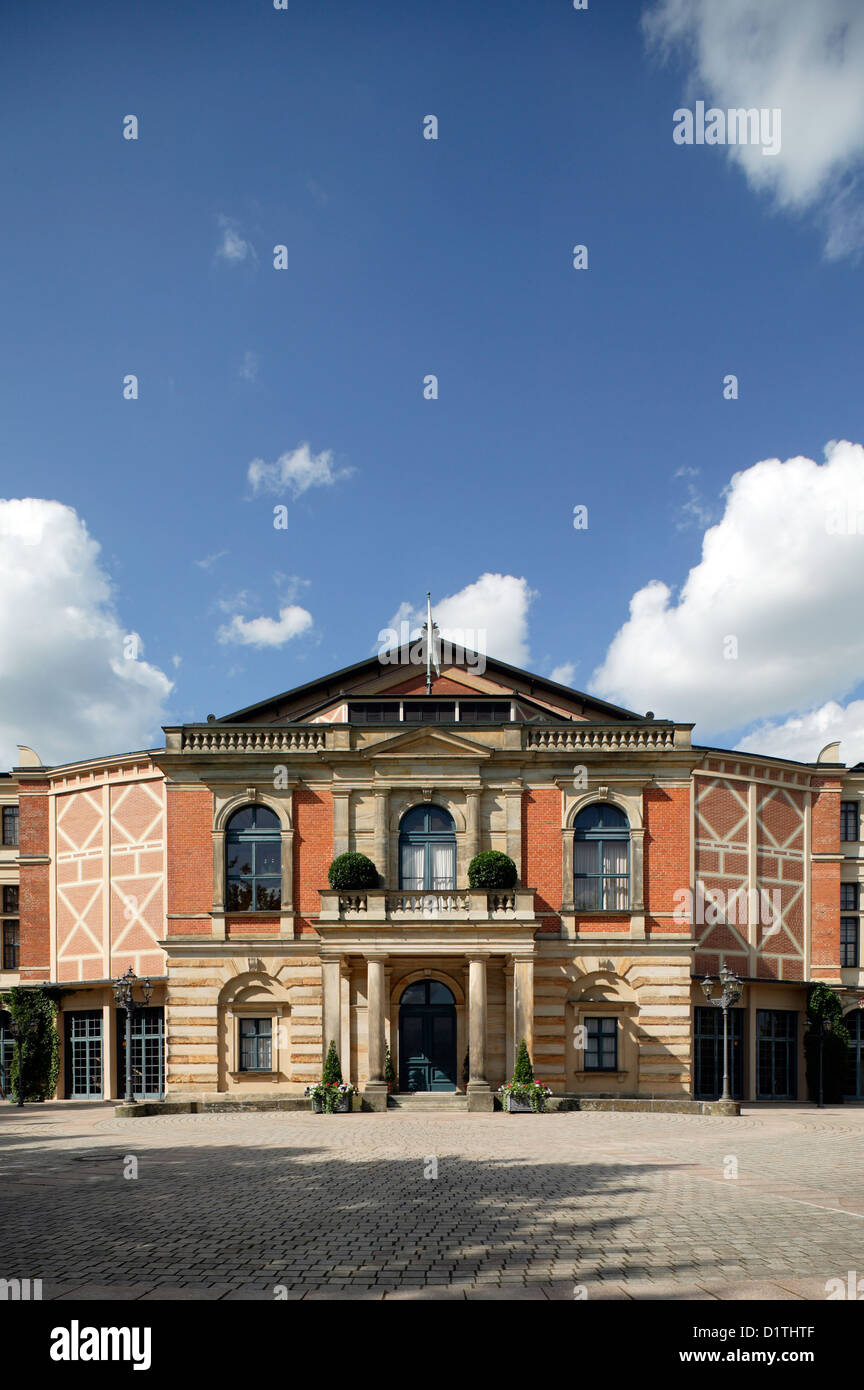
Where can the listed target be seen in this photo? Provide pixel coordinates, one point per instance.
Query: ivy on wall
(34, 1011)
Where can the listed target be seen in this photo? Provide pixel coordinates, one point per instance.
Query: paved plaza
(562, 1206)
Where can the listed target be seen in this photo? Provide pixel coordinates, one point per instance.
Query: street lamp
(124, 993)
(20, 1032)
(820, 1029)
(730, 993)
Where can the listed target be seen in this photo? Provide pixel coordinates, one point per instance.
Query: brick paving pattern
(260, 1205)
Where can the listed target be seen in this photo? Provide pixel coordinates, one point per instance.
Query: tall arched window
(253, 860)
(601, 858)
(427, 850)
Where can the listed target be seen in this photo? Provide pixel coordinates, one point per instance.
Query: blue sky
(406, 257)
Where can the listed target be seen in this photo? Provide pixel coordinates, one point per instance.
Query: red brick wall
(541, 853)
(667, 851)
(313, 853)
(190, 856)
(35, 884)
(825, 915)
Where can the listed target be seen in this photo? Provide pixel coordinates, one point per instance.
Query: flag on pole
(430, 630)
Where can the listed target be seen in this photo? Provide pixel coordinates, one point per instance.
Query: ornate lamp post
(20, 1033)
(124, 993)
(730, 993)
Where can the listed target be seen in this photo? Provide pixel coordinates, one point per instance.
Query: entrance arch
(427, 1037)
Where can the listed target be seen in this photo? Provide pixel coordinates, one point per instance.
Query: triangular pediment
(427, 743)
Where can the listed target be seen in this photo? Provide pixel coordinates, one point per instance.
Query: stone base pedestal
(375, 1095)
(481, 1100)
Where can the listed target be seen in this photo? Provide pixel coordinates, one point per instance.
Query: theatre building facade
(643, 862)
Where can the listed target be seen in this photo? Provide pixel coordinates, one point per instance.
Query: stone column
(472, 832)
(478, 1080)
(376, 1086)
(331, 1024)
(523, 1003)
(380, 837)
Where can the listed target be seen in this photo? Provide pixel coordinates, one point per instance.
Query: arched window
(427, 850)
(601, 858)
(253, 860)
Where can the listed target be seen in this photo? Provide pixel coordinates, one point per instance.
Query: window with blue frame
(9, 927)
(601, 1044)
(427, 850)
(256, 1044)
(849, 820)
(849, 942)
(253, 861)
(10, 825)
(601, 858)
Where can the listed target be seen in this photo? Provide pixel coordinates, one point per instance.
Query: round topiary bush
(352, 871)
(492, 869)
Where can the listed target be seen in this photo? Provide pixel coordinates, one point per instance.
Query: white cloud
(694, 511)
(295, 472)
(782, 574)
(489, 616)
(233, 247)
(248, 369)
(564, 674)
(267, 632)
(803, 737)
(68, 690)
(210, 560)
(805, 57)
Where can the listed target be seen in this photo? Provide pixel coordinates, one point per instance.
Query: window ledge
(259, 1071)
(618, 1075)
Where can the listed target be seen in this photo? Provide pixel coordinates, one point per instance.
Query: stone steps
(427, 1101)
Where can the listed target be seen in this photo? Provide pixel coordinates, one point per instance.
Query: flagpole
(428, 642)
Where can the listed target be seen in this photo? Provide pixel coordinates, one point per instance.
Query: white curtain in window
(615, 862)
(412, 866)
(443, 866)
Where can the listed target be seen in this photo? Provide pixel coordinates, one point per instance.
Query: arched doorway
(427, 1037)
(855, 1075)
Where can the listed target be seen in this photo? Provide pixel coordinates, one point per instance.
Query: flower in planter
(331, 1089)
(523, 1087)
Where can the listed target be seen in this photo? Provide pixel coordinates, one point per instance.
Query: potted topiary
(331, 1095)
(492, 869)
(389, 1070)
(523, 1094)
(352, 871)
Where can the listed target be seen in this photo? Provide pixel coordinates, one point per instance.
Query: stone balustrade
(368, 905)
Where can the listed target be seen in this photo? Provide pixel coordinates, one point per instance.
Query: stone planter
(342, 1107)
(516, 1106)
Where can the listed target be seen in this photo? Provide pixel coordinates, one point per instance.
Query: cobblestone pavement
(273, 1204)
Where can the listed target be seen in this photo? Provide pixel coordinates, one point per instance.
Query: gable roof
(368, 679)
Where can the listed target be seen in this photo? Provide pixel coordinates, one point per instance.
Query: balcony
(376, 905)
(200, 741)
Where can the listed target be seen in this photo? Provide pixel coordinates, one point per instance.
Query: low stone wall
(669, 1107)
(143, 1109)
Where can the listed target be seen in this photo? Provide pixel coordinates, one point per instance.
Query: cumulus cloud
(233, 248)
(803, 737)
(267, 632)
(564, 674)
(489, 616)
(296, 472)
(72, 681)
(768, 624)
(804, 57)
